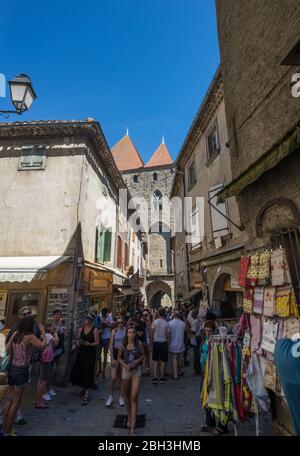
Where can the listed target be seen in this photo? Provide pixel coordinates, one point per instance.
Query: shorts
(128, 374)
(160, 352)
(18, 376)
(46, 370)
(177, 356)
(115, 354)
(104, 343)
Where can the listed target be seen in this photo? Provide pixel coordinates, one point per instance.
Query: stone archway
(158, 293)
(226, 301)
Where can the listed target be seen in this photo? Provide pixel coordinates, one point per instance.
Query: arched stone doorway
(158, 294)
(226, 300)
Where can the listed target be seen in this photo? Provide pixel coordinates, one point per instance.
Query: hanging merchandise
(246, 394)
(269, 301)
(258, 300)
(252, 274)
(291, 327)
(279, 268)
(255, 323)
(244, 264)
(269, 336)
(270, 375)
(248, 300)
(221, 383)
(285, 302)
(257, 384)
(264, 268)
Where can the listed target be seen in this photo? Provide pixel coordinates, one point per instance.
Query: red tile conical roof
(126, 155)
(160, 157)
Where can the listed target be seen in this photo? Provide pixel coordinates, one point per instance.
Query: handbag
(47, 354)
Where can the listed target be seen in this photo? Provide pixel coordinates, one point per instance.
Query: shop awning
(104, 268)
(27, 269)
(268, 160)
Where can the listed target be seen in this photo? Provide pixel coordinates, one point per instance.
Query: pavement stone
(171, 409)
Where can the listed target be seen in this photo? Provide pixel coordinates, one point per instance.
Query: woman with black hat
(83, 372)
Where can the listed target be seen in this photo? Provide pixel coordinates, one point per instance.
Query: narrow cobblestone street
(171, 409)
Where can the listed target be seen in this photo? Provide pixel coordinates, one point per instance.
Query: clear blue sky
(141, 63)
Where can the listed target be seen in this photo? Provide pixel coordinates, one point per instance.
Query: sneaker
(162, 380)
(52, 392)
(109, 401)
(121, 401)
(47, 397)
(13, 434)
(154, 381)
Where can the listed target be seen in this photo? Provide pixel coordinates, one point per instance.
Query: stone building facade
(152, 183)
(203, 168)
(258, 63)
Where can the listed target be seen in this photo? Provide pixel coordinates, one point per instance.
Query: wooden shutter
(119, 253)
(38, 157)
(25, 157)
(107, 245)
(126, 255)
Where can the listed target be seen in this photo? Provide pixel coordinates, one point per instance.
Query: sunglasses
(25, 314)
(120, 322)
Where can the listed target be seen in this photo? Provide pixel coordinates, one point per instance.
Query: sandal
(85, 401)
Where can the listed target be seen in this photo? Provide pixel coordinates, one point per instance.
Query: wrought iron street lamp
(22, 94)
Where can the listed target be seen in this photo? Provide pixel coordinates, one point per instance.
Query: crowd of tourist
(123, 347)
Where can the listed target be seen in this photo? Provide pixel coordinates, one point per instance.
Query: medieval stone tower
(152, 181)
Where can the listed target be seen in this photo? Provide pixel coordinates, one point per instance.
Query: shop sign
(3, 300)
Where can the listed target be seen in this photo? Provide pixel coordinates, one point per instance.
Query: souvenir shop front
(271, 312)
(240, 380)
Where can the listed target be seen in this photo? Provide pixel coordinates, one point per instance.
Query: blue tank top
(119, 336)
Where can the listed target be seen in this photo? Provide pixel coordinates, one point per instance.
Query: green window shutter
(107, 246)
(38, 157)
(25, 157)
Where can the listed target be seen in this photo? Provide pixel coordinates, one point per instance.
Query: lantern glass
(22, 93)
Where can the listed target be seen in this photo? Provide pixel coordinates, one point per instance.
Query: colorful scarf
(244, 264)
(269, 301)
(264, 268)
(279, 268)
(285, 302)
(258, 300)
(269, 336)
(252, 274)
(291, 326)
(255, 323)
(248, 300)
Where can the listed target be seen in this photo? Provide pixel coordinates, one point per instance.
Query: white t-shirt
(196, 327)
(160, 327)
(177, 329)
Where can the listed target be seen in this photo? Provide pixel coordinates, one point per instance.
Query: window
(213, 147)
(218, 222)
(119, 253)
(157, 200)
(18, 300)
(135, 178)
(192, 175)
(196, 229)
(103, 245)
(155, 176)
(32, 157)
